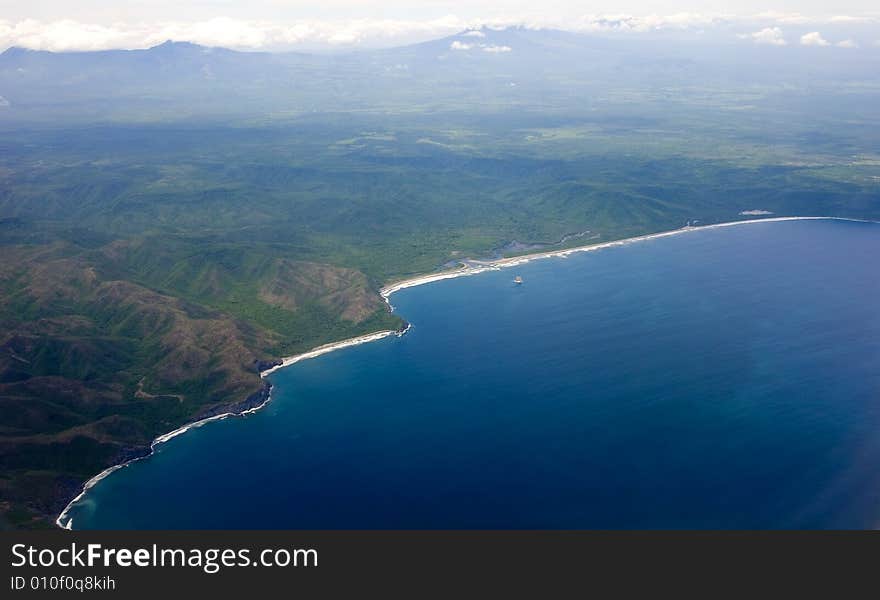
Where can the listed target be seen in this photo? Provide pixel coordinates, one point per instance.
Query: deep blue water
(725, 378)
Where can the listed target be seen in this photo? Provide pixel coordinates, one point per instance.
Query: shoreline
(326, 348)
(474, 267)
(264, 393)
(468, 268)
(65, 522)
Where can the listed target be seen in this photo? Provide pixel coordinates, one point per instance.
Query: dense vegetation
(163, 231)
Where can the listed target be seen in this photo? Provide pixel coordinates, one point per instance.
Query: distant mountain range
(515, 65)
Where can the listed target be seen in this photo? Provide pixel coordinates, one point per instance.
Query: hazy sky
(113, 10)
(283, 24)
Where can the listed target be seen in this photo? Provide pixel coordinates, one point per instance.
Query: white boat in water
(517, 280)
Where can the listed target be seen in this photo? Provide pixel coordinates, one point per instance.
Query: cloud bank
(68, 34)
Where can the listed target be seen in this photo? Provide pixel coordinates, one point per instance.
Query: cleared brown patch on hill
(141, 393)
(69, 402)
(104, 348)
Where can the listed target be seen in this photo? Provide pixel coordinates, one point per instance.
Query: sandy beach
(362, 339)
(473, 267)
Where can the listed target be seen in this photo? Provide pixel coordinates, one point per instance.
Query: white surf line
(326, 348)
(386, 293)
(504, 263)
(65, 522)
(464, 271)
(159, 440)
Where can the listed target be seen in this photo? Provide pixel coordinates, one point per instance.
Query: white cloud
(847, 44)
(814, 38)
(474, 33)
(221, 31)
(769, 35)
(64, 35)
(231, 33)
(491, 48)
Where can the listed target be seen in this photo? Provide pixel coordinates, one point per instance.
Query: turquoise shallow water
(725, 378)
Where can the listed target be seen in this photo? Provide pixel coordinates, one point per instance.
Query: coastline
(470, 267)
(326, 348)
(474, 267)
(251, 404)
(64, 522)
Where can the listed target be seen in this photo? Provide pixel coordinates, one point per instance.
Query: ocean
(722, 378)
